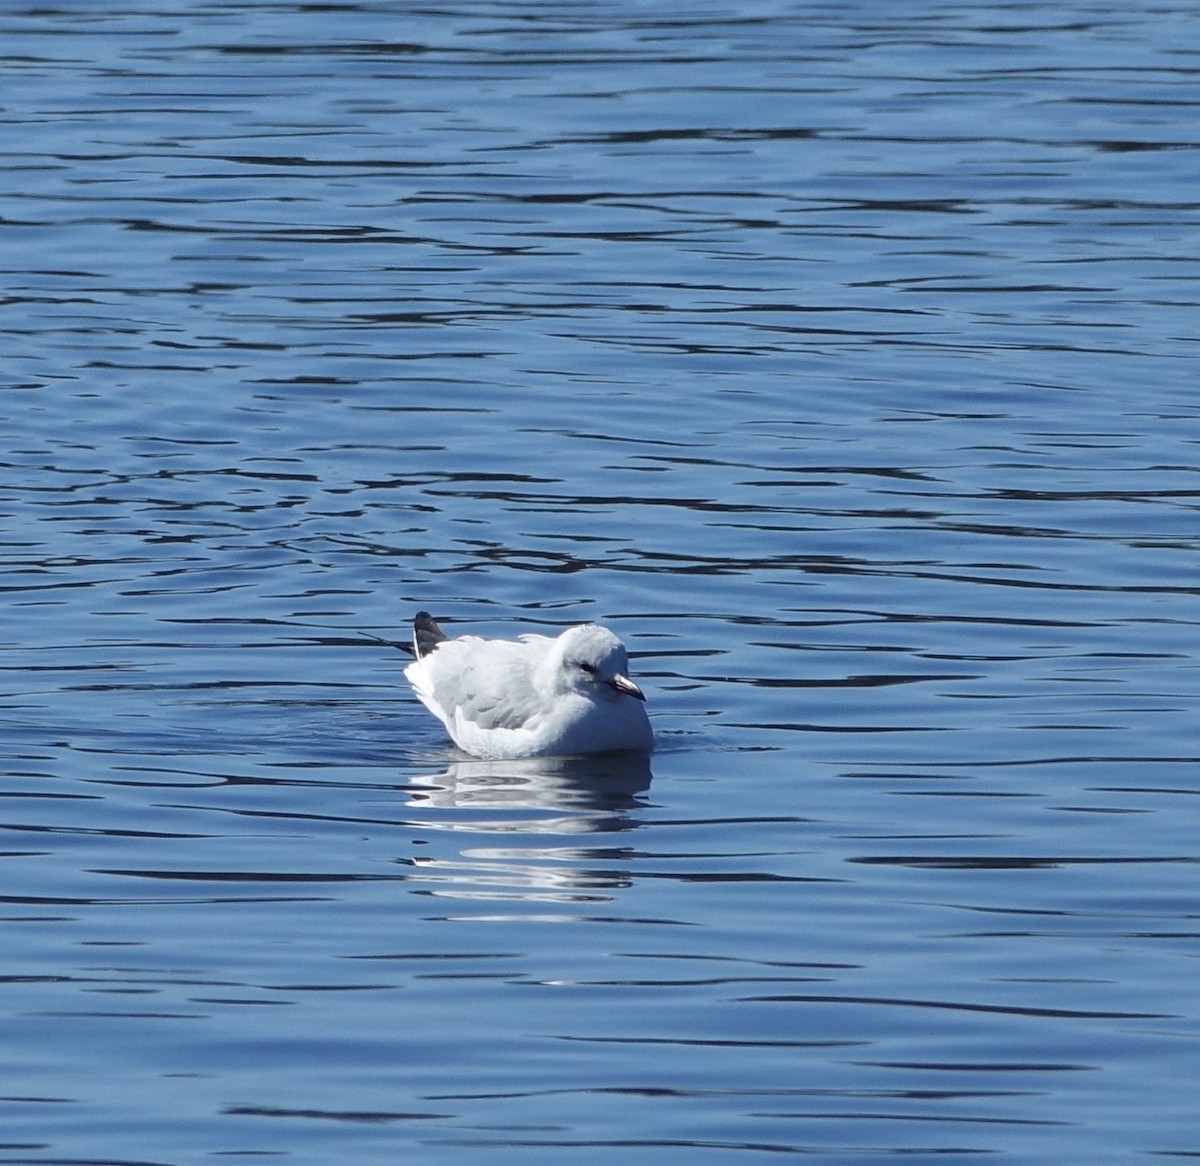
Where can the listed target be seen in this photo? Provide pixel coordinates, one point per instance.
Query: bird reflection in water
(513, 811)
(605, 782)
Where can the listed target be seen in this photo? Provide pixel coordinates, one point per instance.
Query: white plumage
(530, 697)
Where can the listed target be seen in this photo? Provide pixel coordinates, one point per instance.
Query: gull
(533, 696)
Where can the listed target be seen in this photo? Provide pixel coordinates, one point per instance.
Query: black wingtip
(426, 634)
(405, 648)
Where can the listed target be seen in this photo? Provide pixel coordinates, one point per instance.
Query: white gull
(533, 696)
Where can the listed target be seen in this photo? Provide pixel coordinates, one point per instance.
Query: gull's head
(590, 660)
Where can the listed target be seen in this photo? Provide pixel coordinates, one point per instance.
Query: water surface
(841, 358)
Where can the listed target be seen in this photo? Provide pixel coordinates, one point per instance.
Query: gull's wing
(486, 683)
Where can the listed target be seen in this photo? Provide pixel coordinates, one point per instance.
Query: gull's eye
(590, 669)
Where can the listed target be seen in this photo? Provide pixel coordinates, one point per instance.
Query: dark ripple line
(1066, 759)
(984, 1066)
(713, 1042)
(369, 1117)
(960, 1006)
(84, 1161)
(868, 1115)
(238, 876)
(112, 901)
(634, 1144)
(1007, 862)
(102, 831)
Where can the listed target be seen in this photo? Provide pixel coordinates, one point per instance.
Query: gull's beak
(627, 686)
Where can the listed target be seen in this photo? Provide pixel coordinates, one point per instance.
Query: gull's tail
(426, 634)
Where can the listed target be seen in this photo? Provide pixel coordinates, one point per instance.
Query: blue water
(840, 357)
